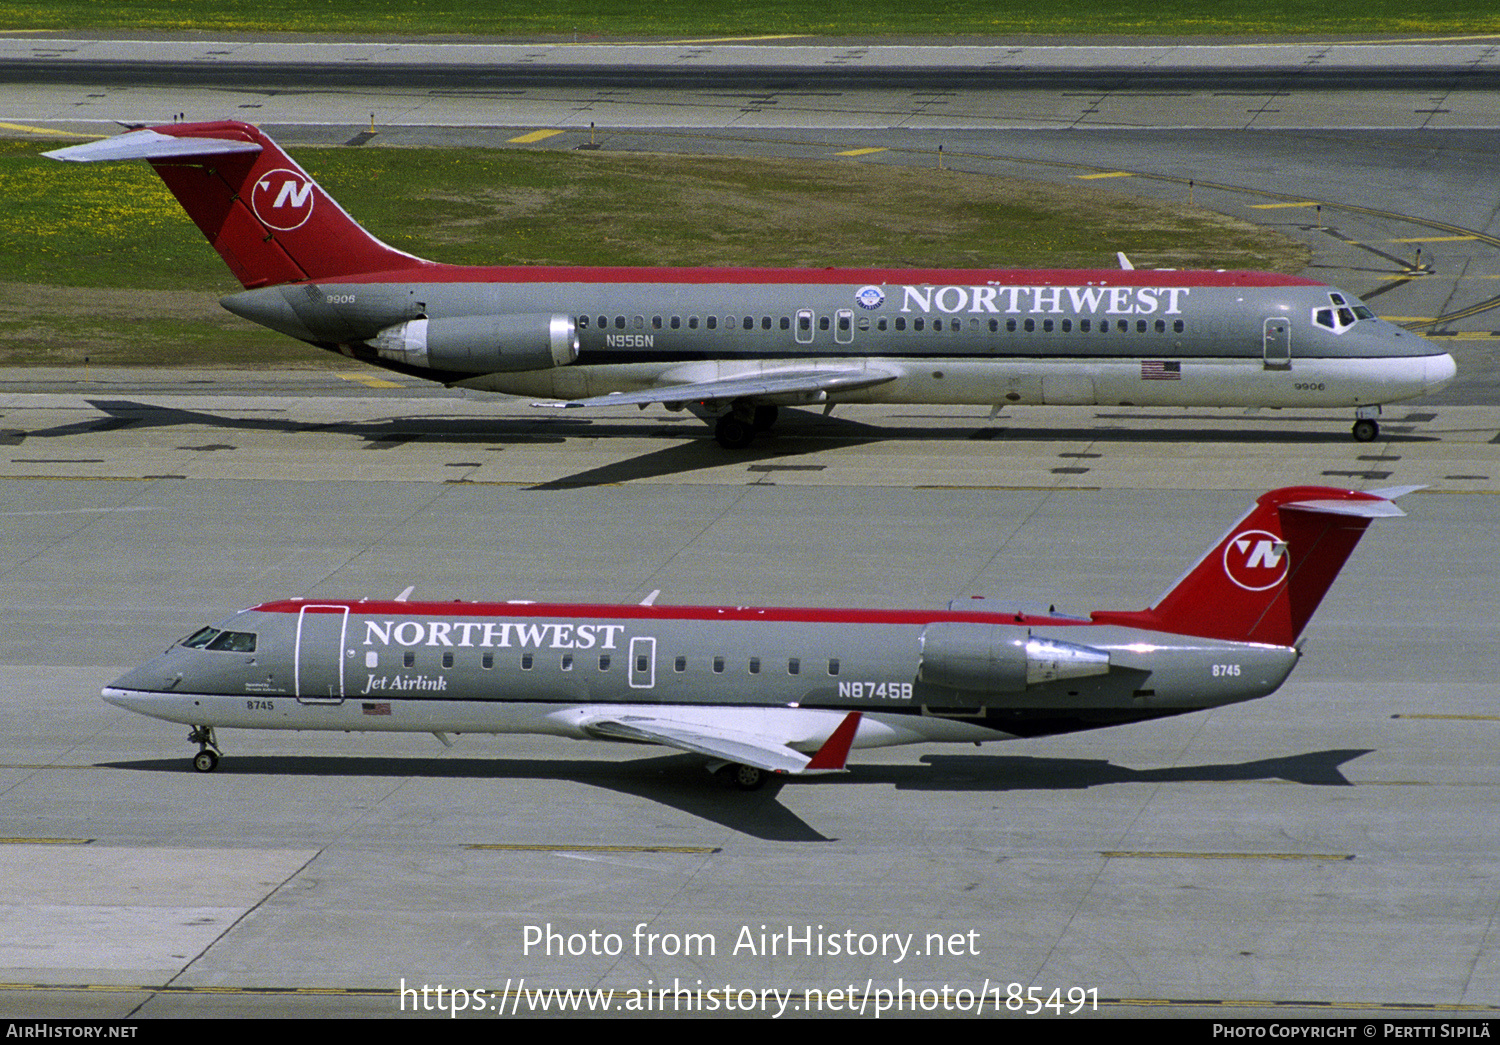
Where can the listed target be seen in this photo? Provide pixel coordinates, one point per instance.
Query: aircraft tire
(732, 433)
(1365, 430)
(747, 778)
(765, 417)
(206, 761)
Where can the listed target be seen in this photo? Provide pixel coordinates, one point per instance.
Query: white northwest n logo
(1266, 553)
(1255, 560)
(283, 199)
(291, 194)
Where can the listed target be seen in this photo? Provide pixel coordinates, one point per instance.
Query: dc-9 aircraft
(735, 344)
(770, 690)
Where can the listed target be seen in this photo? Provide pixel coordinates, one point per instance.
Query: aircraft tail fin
(1262, 581)
(267, 218)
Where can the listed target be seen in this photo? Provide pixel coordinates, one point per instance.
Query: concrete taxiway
(1275, 852)
(1329, 850)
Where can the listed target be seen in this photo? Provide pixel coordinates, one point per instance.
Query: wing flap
(797, 384)
(762, 752)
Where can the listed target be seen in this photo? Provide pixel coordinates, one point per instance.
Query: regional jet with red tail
(735, 344)
(759, 691)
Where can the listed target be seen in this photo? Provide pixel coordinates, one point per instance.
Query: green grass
(721, 18)
(102, 262)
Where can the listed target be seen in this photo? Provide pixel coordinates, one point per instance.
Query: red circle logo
(1256, 560)
(282, 199)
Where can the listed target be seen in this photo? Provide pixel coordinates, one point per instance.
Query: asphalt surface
(1326, 851)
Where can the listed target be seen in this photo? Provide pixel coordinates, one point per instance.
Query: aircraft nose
(148, 678)
(1437, 371)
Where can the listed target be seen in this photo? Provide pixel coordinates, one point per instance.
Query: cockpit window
(234, 642)
(224, 641)
(200, 638)
(1342, 316)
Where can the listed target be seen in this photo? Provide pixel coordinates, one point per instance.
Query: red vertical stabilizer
(1262, 581)
(267, 218)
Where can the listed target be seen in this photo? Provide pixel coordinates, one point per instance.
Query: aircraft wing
(763, 752)
(794, 385)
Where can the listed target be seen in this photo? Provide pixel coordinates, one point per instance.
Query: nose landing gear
(207, 758)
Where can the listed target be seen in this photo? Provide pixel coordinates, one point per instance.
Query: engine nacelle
(481, 344)
(1000, 658)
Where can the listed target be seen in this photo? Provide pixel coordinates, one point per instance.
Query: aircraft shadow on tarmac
(799, 433)
(1028, 773)
(680, 781)
(554, 426)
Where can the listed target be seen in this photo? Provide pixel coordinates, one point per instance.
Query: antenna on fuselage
(407, 593)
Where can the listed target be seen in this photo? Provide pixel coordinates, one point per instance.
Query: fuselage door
(1276, 340)
(804, 326)
(643, 662)
(318, 675)
(843, 326)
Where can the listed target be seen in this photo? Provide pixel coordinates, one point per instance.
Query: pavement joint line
(542, 847)
(1120, 854)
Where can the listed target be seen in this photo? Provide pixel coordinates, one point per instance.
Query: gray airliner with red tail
(735, 344)
(761, 691)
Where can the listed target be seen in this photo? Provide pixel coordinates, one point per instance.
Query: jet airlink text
(501, 634)
(1117, 301)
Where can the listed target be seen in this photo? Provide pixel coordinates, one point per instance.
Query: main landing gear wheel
(746, 778)
(732, 433)
(207, 758)
(1365, 430)
(765, 417)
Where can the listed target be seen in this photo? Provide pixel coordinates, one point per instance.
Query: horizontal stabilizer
(1360, 509)
(149, 145)
(791, 384)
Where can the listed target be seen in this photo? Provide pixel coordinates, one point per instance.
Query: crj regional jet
(769, 690)
(733, 344)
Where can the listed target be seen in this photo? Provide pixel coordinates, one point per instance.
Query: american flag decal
(1161, 370)
(376, 709)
